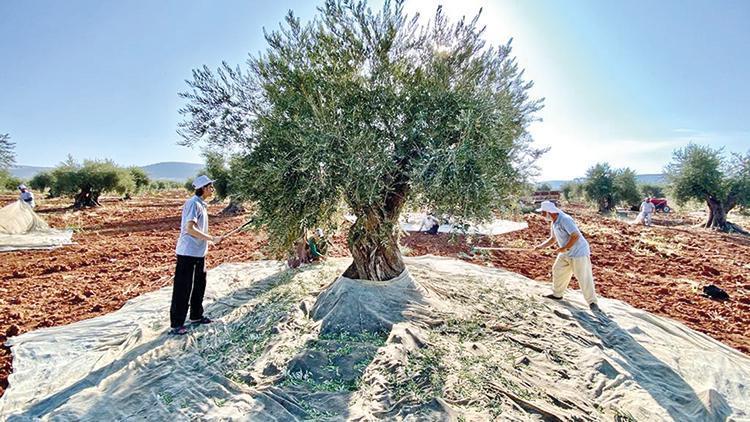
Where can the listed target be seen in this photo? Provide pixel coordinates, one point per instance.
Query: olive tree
(706, 174)
(89, 180)
(372, 109)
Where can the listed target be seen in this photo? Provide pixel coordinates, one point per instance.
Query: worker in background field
(318, 245)
(192, 246)
(647, 210)
(431, 223)
(26, 195)
(573, 255)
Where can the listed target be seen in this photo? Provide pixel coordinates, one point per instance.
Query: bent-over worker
(26, 195)
(573, 255)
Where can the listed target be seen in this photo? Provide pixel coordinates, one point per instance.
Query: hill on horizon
(651, 179)
(168, 170)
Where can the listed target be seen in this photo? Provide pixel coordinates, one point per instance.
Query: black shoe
(178, 331)
(594, 307)
(202, 320)
(552, 296)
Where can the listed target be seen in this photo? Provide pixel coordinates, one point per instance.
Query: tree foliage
(7, 152)
(372, 109)
(609, 187)
(89, 180)
(625, 187)
(652, 191)
(706, 174)
(140, 178)
(41, 181)
(599, 186)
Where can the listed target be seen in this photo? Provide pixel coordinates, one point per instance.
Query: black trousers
(189, 288)
(433, 229)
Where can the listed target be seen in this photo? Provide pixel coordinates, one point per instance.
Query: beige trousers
(564, 267)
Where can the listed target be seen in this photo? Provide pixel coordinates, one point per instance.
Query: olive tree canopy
(373, 109)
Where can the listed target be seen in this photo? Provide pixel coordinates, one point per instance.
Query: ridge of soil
(126, 248)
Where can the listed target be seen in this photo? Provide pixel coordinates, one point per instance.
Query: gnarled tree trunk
(87, 198)
(717, 216)
(373, 240)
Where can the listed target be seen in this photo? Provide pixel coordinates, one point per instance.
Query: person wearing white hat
(26, 195)
(574, 254)
(192, 246)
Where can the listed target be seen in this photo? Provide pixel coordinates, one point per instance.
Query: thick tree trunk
(86, 198)
(717, 217)
(373, 243)
(235, 207)
(373, 239)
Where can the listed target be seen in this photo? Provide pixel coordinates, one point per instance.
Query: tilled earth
(126, 248)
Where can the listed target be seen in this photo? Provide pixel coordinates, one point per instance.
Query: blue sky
(625, 81)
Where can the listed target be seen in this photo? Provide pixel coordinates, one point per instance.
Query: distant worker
(317, 245)
(192, 246)
(431, 223)
(26, 195)
(647, 210)
(573, 255)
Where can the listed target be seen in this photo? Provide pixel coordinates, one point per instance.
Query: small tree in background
(140, 178)
(41, 181)
(609, 187)
(373, 110)
(652, 191)
(599, 186)
(88, 181)
(625, 188)
(7, 152)
(544, 187)
(705, 174)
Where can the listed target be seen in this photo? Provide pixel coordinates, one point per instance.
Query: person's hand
(217, 239)
(561, 250)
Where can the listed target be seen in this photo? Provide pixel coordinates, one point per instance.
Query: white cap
(21, 187)
(549, 206)
(319, 232)
(201, 181)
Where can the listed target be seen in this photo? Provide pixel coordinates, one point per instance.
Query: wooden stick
(238, 229)
(479, 248)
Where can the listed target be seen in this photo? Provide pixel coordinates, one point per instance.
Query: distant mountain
(160, 171)
(172, 171)
(651, 179)
(27, 172)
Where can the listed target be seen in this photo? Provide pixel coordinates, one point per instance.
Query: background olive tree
(608, 187)
(88, 181)
(372, 109)
(706, 174)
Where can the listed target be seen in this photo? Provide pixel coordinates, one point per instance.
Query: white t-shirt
(430, 221)
(195, 209)
(28, 198)
(647, 207)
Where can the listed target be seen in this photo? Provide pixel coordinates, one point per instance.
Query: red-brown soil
(126, 248)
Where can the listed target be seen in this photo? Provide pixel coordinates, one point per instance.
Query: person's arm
(192, 230)
(547, 243)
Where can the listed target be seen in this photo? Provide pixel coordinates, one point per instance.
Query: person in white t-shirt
(26, 195)
(647, 210)
(431, 223)
(192, 246)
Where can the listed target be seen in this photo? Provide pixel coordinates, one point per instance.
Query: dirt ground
(126, 248)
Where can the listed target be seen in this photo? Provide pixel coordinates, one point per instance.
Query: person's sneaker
(178, 331)
(594, 307)
(203, 320)
(552, 296)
